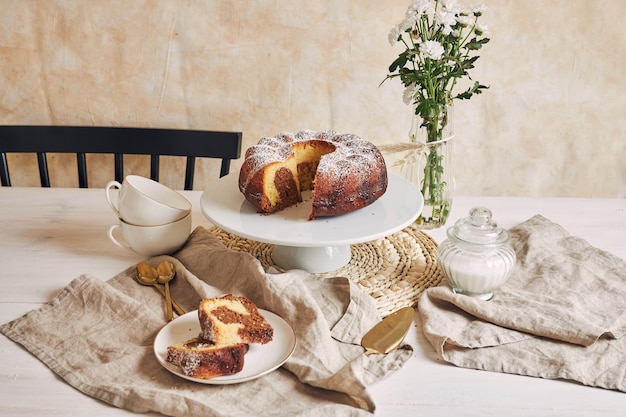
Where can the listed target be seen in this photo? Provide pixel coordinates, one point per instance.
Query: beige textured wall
(553, 122)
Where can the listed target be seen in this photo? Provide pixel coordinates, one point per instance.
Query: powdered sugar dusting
(191, 363)
(352, 153)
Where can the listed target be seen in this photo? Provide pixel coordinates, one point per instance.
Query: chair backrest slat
(81, 162)
(225, 167)
(4, 170)
(118, 141)
(119, 167)
(189, 169)
(42, 161)
(154, 167)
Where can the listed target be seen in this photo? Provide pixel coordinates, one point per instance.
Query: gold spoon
(387, 335)
(165, 272)
(147, 275)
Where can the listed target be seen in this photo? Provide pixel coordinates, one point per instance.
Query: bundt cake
(344, 171)
(230, 319)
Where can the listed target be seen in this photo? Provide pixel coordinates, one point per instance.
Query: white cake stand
(316, 246)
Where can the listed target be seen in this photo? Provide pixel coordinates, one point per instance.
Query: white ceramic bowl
(144, 202)
(152, 240)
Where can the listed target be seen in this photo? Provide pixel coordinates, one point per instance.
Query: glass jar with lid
(476, 257)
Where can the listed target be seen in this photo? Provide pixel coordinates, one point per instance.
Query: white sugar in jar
(477, 257)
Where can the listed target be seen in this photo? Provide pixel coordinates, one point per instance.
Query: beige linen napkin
(98, 336)
(561, 315)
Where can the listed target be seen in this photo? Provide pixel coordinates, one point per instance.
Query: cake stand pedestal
(320, 245)
(312, 259)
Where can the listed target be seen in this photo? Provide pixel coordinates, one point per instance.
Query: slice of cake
(231, 319)
(227, 325)
(201, 359)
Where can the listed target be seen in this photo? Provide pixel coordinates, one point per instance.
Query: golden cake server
(387, 335)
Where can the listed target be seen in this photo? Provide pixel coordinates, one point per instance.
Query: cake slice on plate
(201, 359)
(227, 325)
(232, 319)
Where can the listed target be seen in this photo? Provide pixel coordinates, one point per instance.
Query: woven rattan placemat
(393, 270)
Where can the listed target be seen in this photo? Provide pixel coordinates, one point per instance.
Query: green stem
(433, 186)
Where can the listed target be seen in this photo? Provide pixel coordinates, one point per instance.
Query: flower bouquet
(440, 39)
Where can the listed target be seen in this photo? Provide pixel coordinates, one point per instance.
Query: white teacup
(144, 202)
(152, 240)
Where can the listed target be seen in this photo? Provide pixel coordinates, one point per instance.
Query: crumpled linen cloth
(561, 315)
(98, 336)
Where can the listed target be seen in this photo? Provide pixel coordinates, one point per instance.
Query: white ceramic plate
(260, 359)
(225, 206)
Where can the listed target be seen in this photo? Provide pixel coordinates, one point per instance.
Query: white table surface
(50, 236)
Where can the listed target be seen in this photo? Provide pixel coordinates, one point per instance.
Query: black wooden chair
(118, 141)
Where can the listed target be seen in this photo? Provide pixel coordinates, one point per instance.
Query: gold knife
(387, 335)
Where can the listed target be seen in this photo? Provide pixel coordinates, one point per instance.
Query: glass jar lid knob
(478, 228)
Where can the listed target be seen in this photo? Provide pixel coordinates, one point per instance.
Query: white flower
(393, 35)
(420, 7)
(481, 30)
(478, 10)
(445, 18)
(408, 97)
(448, 4)
(397, 31)
(431, 49)
(451, 6)
(407, 24)
(465, 20)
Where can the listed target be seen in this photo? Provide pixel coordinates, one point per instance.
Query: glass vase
(430, 165)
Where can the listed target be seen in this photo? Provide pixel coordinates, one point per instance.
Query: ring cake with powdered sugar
(345, 172)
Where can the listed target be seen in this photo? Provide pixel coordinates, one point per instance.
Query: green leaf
(475, 44)
(474, 89)
(399, 62)
(427, 108)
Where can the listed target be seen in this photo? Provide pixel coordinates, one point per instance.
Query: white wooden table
(50, 236)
